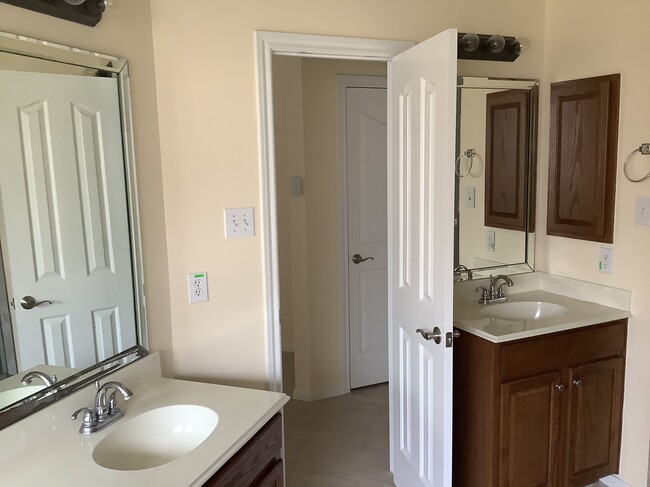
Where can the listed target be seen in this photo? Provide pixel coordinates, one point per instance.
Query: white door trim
(267, 44)
(343, 82)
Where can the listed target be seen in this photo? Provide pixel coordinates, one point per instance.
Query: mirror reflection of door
(65, 233)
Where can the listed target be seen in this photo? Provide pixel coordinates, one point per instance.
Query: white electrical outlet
(240, 222)
(197, 287)
(642, 211)
(490, 240)
(470, 197)
(606, 261)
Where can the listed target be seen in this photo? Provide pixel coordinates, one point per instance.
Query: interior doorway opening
(330, 173)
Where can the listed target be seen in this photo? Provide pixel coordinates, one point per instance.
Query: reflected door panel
(65, 227)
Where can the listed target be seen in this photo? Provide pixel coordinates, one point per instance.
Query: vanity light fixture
(488, 47)
(86, 12)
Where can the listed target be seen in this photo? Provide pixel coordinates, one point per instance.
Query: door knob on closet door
(357, 259)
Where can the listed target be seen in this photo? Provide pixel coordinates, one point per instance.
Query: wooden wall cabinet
(258, 463)
(582, 158)
(508, 150)
(539, 412)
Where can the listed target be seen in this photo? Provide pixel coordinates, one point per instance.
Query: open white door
(422, 125)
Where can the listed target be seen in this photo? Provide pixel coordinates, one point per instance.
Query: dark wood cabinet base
(258, 463)
(540, 412)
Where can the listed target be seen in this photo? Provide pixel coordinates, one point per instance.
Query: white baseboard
(614, 481)
(316, 395)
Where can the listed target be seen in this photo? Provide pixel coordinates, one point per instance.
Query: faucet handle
(113, 408)
(485, 295)
(89, 420)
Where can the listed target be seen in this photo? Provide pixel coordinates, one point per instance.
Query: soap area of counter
(574, 304)
(47, 448)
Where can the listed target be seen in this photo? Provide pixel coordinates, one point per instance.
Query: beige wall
(589, 38)
(290, 162)
(126, 33)
(205, 71)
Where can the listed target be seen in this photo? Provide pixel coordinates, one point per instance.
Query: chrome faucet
(459, 269)
(495, 294)
(106, 411)
(48, 380)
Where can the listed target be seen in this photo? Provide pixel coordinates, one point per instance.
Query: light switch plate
(642, 216)
(240, 222)
(197, 287)
(470, 197)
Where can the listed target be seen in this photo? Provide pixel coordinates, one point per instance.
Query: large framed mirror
(496, 149)
(71, 283)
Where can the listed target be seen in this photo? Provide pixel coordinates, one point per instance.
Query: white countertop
(468, 317)
(47, 449)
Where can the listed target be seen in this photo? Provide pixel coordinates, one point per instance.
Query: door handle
(28, 302)
(357, 259)
(435, 335)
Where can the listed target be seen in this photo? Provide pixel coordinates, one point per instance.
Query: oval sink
(155, 437)
(13, 395)
(524, 310)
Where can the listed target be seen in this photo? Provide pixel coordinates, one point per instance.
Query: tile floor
(337, 442)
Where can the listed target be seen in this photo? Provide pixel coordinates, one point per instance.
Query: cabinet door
(594, 424)
(530, 420)
(274, 478)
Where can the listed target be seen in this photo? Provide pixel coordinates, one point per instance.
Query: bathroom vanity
(538, 399)
(240, 437)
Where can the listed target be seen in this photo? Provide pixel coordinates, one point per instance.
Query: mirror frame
(531, 183)
(118, 67)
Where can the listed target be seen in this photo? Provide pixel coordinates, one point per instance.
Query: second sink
(524, 310)
(155, 437)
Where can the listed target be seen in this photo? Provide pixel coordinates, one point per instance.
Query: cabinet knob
(577, 383)
(560, 387)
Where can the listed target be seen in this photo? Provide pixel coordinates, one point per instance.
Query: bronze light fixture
(488, 47)
(86, 12)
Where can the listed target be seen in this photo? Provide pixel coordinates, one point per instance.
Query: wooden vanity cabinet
(539, 412)
(258, 463)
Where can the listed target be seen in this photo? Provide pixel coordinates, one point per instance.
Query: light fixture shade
(74, 2)
(496, 43)
(470, 42)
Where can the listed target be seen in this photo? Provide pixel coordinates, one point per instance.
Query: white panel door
(367, 232)
(422, 97)
(65, 233)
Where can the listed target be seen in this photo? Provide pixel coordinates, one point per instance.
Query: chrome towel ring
(469, 153)
(644, 149)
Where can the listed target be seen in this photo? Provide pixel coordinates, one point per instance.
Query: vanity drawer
(548, 353)
(257, 463)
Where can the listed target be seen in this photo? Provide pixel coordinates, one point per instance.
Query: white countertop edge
(541, 331)
(245, 438)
